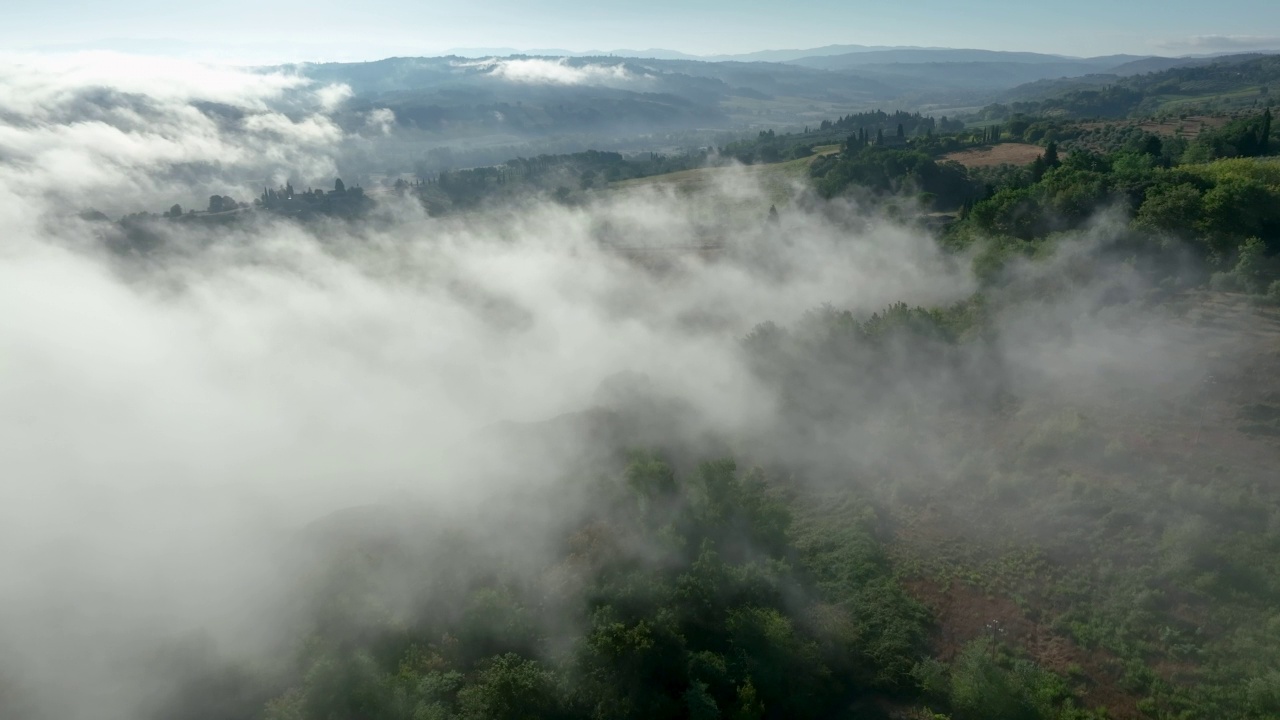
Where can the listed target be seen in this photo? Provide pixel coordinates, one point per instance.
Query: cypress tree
(1038, 168)
(1051, 156)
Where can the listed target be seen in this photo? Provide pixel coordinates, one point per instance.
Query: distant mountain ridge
(777, 56)
(837, 57)
(1160, 64)
(825, 57)
(940, 74)
(951, 55)
(946, 75)
(485, 112)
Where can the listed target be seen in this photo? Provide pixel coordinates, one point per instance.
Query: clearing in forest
(776, 178)
(1002, 154)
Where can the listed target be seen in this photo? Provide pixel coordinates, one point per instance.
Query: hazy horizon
(283, 32)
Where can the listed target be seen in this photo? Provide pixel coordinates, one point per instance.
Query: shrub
(983, 689)
(931, 675)
(1225, 282)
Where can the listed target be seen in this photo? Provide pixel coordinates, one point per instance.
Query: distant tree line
(560, 176)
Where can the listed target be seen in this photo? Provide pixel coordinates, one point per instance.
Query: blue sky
(256, 30)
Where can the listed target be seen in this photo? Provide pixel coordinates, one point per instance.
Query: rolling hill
(1216, 84)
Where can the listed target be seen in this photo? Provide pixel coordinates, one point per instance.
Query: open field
(778, 179)
(1002, 154)
(1189, 127)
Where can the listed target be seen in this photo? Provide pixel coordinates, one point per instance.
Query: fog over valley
(938, 384)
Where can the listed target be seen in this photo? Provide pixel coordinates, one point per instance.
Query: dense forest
(1220, 85)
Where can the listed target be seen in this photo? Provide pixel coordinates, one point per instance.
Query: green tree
(510, 688)
(1254, 270)
(699, 703)
(1152, 145)
(748, 703)
(1038, 168)
(1173, 210)
(1264, 141)
(1051, 155)
(983, 688)
(1237, 208)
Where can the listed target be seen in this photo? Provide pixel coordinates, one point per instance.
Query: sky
(249, 31)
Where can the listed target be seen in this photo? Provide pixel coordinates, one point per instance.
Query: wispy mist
(558, 71)
(170, 420)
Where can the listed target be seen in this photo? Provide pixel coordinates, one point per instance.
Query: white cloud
(332, 96)
(382, 121)
(105, 130)
(557, 72)
(31, 83)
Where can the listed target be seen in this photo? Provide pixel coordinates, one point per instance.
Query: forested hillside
(484, 110)
(1222, 84)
